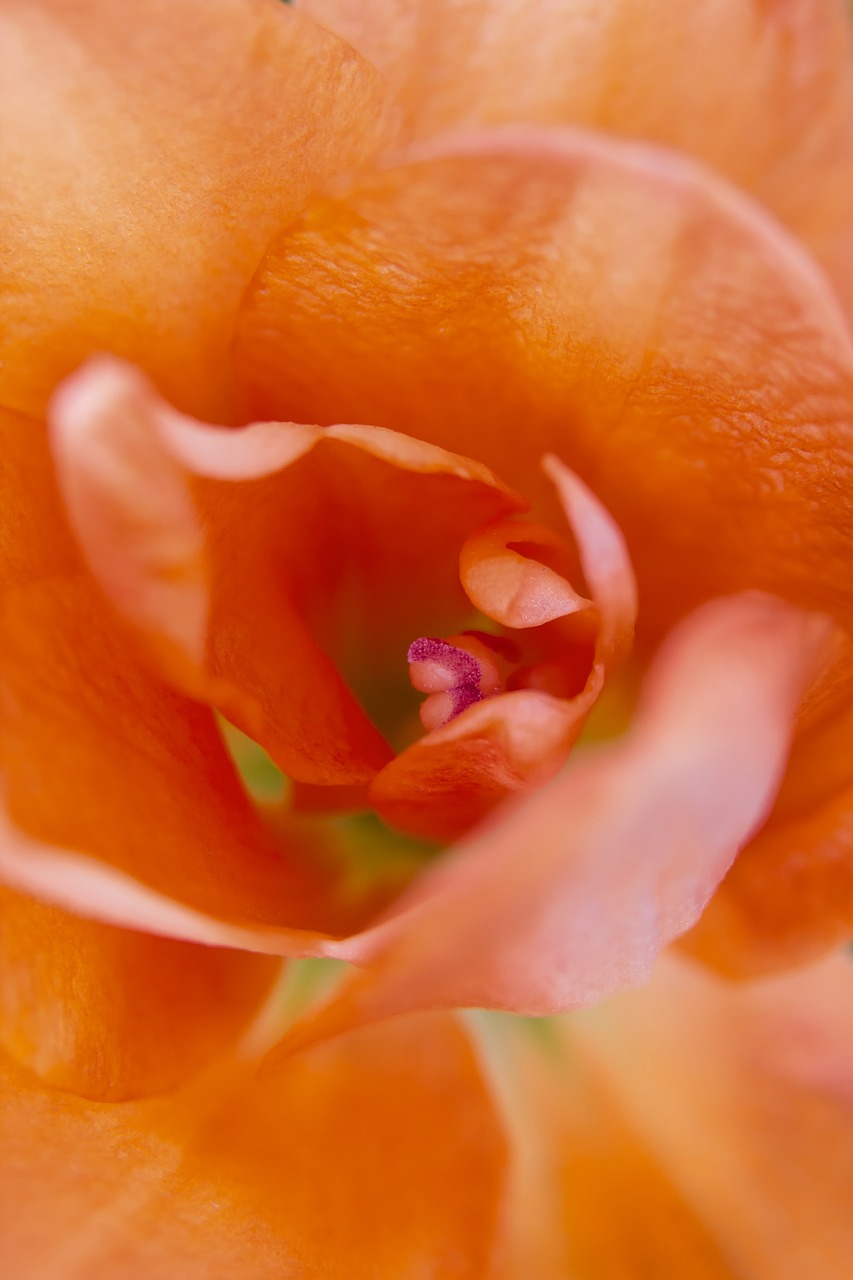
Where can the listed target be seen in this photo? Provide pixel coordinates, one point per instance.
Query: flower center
(457, 672)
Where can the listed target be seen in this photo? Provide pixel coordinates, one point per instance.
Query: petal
(690, 1129)
(111, 1014)
(511, 587)
(380, 1157)
(606, 301)
(97, 1010)
(453, 777)
(580, 886)
(293, 521)
(764, 93)
(34, 540)
(97, 889)
(227, 632)
(787, 899)
(99, 756)
(605, 561)
(126, 805)
(789, 896)
(148, 165)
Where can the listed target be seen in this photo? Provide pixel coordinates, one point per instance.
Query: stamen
(456, 673)
(444, 665)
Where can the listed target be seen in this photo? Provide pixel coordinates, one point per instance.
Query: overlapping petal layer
(100, 756)
(617, 305)
(96, 753)
(363, 1160)
(587, 313)
(574, 893)
(105, 759)
(453, 777)
(147, 164)
(297, 538)
(692, 1128)
(717, 727)
(763, 92)
(507, 584)
(789, 896)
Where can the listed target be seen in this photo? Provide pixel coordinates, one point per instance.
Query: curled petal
(446, 782)
(605, 562)
(99, 757)
(767, 99)
(132, 510)
(94, 753)
(129, 500)
(221, 577)
(515, 590)
(645, 322)
(148, 166)
(454, 777)
(99, 890)
(101, 859)
(579, 887)
(123, 803)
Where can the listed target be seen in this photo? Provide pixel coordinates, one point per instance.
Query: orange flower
(558, 373)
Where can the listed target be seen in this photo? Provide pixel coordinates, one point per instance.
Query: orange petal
(787, 899)
(576, 891)
(689, 1129)
(148, 165)
(99, 757)
(455, 776)
(112, 1014)
(292, 520)
(763, 93)
(378, 1157)
(34, 537)
(515, 589)
(639, 318)
(101, 1011)
(789, 896)
(128, 496)
(452, 778)
(605, 561)
(126, 804)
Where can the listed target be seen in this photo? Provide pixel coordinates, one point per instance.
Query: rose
(148, 493)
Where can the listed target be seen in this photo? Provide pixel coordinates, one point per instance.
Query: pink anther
(455, 673)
